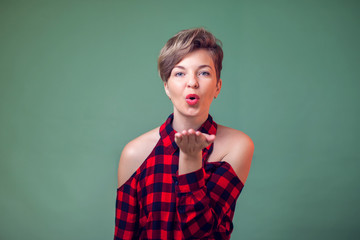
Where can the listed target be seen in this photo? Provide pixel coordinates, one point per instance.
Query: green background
(79, 80)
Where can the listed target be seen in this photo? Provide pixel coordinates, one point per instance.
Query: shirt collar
(167, 134)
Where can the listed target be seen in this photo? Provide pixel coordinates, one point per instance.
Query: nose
(193, 82)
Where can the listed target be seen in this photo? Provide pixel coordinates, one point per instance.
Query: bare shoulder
(238, 149)
(134, 154)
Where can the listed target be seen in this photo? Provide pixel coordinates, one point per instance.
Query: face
(192, 84)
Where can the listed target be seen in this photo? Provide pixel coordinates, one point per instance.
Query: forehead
(197, 58)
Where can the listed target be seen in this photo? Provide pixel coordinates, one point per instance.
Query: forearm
(206, 204)
(200, 215)
(127, 212)
(189, 162)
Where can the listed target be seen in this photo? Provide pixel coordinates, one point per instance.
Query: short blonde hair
(185, 42)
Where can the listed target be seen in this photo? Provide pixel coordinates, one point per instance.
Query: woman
(181, 180)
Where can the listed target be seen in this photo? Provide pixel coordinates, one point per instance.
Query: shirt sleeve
(206, 206)
(127, 211)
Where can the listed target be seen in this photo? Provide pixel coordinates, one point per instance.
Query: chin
(192, 112)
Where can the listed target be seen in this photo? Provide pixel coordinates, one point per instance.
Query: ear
(218, 87)
(166, 88)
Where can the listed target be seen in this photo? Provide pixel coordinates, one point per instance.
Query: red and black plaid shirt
(157, 203)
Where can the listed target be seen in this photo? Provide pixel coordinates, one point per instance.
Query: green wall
(79, 80)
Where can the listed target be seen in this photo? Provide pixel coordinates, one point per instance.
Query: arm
(127, 203)
(127, 211)
(205, 208)
(127, 208)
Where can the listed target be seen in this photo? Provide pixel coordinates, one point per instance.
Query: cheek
(175, 89)
(210, 92)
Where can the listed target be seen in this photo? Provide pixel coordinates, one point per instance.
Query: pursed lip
(192, 96)
(192, 99)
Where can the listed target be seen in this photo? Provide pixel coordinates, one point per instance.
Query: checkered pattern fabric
(157, 203)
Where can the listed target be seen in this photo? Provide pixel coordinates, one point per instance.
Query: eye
(204, 73)
(179, 74)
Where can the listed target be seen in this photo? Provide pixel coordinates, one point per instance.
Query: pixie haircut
(185, 42)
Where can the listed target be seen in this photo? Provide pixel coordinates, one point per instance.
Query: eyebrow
(201, 66)
(179, 67)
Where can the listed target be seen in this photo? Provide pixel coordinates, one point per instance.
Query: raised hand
(191, 143)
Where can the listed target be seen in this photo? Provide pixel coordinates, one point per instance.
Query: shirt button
(175, 181)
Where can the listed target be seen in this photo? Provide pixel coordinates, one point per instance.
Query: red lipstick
(192, 99)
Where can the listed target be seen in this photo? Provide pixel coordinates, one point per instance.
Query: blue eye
(179, 74)
(205, 73)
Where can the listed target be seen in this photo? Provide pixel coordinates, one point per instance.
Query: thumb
(209, 138)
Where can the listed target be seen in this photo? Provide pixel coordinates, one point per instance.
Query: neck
(182, 122)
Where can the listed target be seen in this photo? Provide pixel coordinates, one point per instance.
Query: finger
(206, 139)
(178, 138)
(192, 136)
(200, 138)
(185, 137)
(210, 138)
